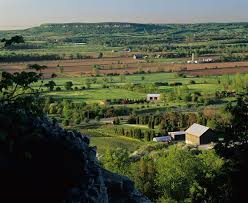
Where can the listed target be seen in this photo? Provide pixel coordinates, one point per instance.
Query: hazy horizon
(20, 14)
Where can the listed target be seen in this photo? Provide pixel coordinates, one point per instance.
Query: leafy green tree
(37, 67)
(68, 85)
(50, 85)
(116, 160)
(17, 85)
(17, 90)
(212, 185)
(144, 177)
(14, 40)
(176, 173)
(233, 147)
(236, 132)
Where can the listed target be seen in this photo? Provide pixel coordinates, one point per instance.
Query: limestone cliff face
(42, 162)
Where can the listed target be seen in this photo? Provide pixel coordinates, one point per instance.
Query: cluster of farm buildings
(194, 135)
(205, 60)
(192, 61)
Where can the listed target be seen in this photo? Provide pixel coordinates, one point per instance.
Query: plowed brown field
(219, 71)
(128, 64)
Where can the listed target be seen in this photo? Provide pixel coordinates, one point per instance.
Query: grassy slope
(102, 143)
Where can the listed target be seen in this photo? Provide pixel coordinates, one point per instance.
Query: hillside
(132, 33)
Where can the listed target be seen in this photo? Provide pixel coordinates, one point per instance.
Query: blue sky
(25, 13)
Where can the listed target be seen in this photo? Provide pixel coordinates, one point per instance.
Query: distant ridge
(114, 34)
(118, 25)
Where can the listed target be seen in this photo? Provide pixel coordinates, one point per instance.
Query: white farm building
(162, 139)
(153, 97)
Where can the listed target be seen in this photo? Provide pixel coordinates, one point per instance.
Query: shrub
(58, 89)
(68, 85)
(192, 82)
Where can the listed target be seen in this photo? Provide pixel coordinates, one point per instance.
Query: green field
(97, 93)
(102, 143)
(103, 136)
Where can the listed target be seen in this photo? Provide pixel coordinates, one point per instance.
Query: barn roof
(197, 130)
(176, 133)
(162, 139)
(153, 95)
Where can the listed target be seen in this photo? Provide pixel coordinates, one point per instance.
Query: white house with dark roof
(153, 97)
(199, 135)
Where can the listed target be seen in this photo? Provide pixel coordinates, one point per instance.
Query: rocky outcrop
(42, 162)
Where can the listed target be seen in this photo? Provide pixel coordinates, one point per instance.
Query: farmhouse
(199, 135)
(138, 56)
(178, 136)
(162, 139)
(153, 97)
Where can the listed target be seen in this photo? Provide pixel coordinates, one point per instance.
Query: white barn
(153, 97)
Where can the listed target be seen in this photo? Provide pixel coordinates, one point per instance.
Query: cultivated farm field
(127, 65)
